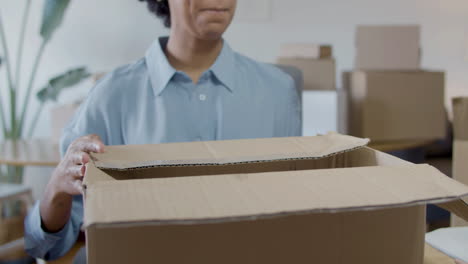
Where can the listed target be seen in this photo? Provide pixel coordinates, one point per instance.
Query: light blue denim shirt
(151, 102)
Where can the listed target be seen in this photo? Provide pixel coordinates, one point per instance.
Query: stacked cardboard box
(319, 95)
(390, 97)
(316, 63)
(460, 147)
(388, 48)
(325, 199)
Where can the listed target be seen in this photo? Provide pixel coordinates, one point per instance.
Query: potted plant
(15, 110)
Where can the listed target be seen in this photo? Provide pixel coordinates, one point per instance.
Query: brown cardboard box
(394, 106)
(460, 147)
(388, 48)
(318, 74)
(452, 92)
(325, 199)
(306, 51)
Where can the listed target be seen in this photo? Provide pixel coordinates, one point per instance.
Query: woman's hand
(66, 181)
(68, 176)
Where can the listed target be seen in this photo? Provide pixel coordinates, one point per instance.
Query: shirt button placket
(201, 96)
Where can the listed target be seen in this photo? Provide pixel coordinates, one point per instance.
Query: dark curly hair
(160, 9)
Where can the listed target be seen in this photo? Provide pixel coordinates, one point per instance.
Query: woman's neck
(192, 56)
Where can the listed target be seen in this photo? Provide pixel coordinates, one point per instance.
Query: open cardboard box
(323, 199)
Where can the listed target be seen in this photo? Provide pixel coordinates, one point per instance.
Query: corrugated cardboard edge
(360, 143)
(219, 162)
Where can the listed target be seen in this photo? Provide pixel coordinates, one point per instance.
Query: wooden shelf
(37, 152)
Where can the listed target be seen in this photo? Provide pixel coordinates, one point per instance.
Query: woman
(190, 86)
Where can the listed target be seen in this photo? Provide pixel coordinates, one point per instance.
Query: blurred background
(107, 33)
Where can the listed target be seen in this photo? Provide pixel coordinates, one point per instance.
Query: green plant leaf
(70, 78)
(52, 16)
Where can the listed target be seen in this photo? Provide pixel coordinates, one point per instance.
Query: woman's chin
(212, 33)
(212, 29)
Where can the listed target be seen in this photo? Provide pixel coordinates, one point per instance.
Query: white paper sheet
(451, 241)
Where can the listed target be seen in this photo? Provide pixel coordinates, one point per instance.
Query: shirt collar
(161, 71)
(223, 68)
(159, 68)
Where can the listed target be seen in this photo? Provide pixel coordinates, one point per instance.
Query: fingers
(69, 179)
(73, 168)
(76, 172)
(83, 170)
(90, 146)
(98, 144)
(80, 158)
(91, 143)
(78, 151)
(75, 187)
(78, 186)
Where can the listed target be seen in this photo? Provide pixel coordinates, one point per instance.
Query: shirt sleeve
(90, 118)
(292, 118)
(296, 113)
(50, 246)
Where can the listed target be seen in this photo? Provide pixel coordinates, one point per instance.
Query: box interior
(354, 158)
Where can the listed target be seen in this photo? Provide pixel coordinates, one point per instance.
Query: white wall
(106, 33)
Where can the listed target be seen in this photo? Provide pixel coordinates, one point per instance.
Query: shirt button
(202, 97)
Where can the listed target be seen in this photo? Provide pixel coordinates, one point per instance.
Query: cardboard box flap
(226, 152)
(460, 117)
(458, 207)
(97, 175)
(234, 197)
